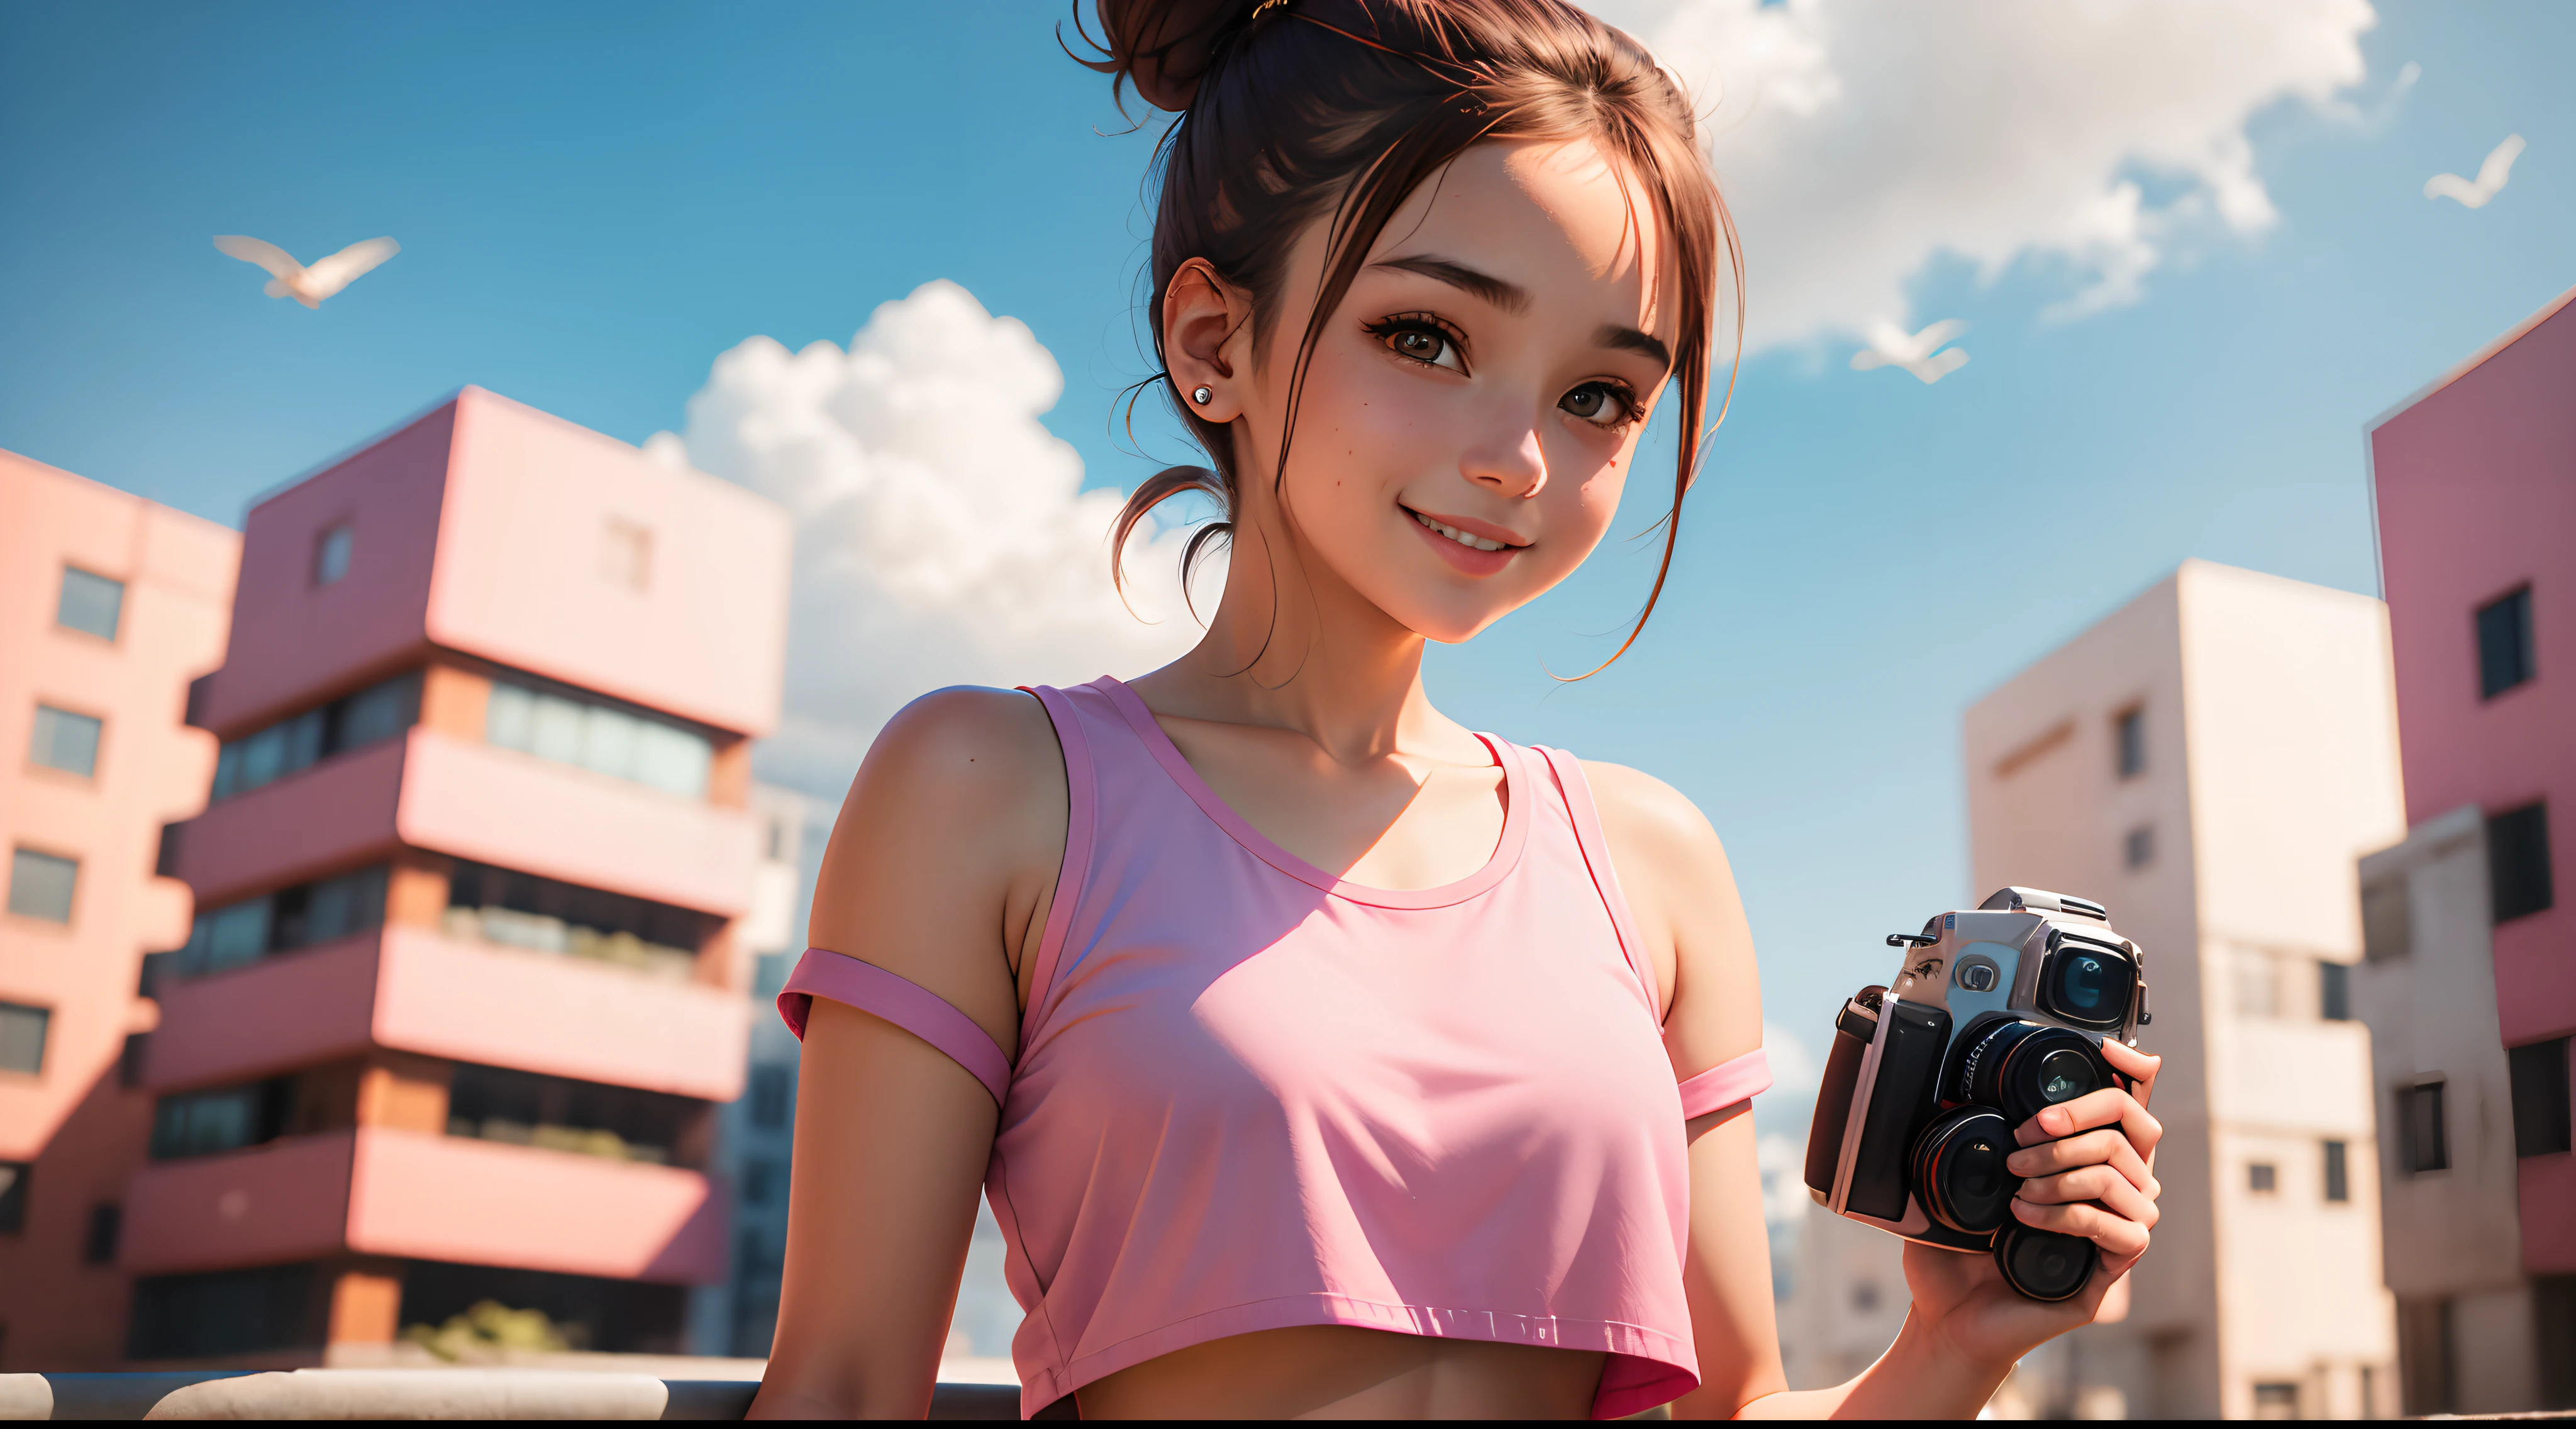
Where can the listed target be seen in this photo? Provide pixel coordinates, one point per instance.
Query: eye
(1423, 338)
(1604, 404)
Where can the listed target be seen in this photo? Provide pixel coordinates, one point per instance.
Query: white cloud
(1858, 139)
(942, 535)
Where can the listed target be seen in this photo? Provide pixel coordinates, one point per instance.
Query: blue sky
(595, 201)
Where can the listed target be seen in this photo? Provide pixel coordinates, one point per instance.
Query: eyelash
(1387, 328)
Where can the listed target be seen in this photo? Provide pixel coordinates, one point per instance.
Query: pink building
(464, 979)
(109, 605)
(2471, 981)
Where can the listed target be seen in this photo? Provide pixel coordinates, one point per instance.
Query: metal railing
(419, 1394)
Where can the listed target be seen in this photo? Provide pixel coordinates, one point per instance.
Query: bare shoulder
(1681, 890)
(984, 749)
(1642, 812)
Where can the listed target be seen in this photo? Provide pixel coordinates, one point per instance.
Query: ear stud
(1202, 395)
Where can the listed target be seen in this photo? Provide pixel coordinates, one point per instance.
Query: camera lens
(2065, 1075)
(2044, 1265)
(1957, 1170)
(2022, 1067)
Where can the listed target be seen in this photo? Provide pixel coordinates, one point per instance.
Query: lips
(1471, 546)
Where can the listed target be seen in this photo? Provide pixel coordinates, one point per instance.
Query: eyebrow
(1510, 297)
(1632, 340)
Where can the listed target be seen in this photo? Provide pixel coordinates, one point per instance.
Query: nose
(1509, 461)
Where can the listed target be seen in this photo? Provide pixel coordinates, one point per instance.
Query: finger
(2093, 1183)
(2135, 1065)
(2117, 1235)
(2104, 1148)
(2107, 1107)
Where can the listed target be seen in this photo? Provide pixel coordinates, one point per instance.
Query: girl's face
(1474, 404)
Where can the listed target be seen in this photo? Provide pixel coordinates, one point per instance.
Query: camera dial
(2024, 1067)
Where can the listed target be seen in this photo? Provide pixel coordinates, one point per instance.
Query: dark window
(2139, 848)
(2261, 1176)
(2538, 1071)
(2276, 1401)
(2518, 861)
(13, 1196)
(2387, 919)
(498, 905)
(2553, 1314)
(41, 885)
(2428, 1147)
(2504, 644)
(281, 922)
(2338, 1171)
(2130, 731)
(89, 603)
(226, 1119)
(227, 1312)
(65, 741)
(759, 1181)
(106, 1223)
(129, 1059)
(772, 1087)
(380, 711)
(22, 1037)
(2334, 992)
(331, 555)
(2424, 1354)
(560, 1114)
(619, 1316)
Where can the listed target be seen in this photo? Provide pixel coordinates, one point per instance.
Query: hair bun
(1163, 47)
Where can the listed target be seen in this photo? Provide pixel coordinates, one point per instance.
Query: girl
(1319, 1056)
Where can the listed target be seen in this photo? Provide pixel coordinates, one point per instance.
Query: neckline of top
(1517, 793)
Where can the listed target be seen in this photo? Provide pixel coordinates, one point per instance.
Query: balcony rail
(419, 1394)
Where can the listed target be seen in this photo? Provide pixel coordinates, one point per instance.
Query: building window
(2334, 992)
(227, 1119)
(22, 1037)
(2129, 732)
(2262, 1178)
(2387, 920)
(281, 922)
(380, 711)
(599, 738)
(2538, 1072)
(65, 741)
(106, 1225)
(562, 1114)
(2338, 1171)
(129, 1059)
(41, 885)
(2504, 644)
(2427, 1144)
(771, 1088)
(626, 558)
(2276, 1401)
(522, 910)
(2518, 862)
(331, 555)
(759, 1181)
(13, 1196)
(2138, 846)
(89, 603)
(226, 1312)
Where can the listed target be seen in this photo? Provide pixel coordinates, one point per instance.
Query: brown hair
(1295, 110)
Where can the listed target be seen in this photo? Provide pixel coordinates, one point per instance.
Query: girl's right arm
(940, 871)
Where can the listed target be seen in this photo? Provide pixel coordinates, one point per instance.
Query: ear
(1207, 340)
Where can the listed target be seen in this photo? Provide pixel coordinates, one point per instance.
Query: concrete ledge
(419, 1394)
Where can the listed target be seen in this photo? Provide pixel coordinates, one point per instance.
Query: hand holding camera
(1992, 1100)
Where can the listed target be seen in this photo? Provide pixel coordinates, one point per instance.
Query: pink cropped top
(1249, 1094)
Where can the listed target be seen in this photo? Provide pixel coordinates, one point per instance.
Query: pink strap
(901, 1001)
(1596, 856)
(1724, 1085)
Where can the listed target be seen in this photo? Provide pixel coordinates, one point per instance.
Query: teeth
(1461, 537)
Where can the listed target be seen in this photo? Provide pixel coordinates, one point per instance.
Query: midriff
(1343, 1372)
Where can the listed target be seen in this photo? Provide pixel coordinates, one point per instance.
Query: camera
(1995, 1013)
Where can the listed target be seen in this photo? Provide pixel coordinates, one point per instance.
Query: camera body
(1994, 1014)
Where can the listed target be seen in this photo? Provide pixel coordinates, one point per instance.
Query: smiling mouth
(1473, 543)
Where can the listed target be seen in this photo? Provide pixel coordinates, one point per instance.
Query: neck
(1292, 646)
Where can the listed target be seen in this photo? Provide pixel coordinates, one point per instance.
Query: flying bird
(1890, 347)
(2490, 179)
(309, 286)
